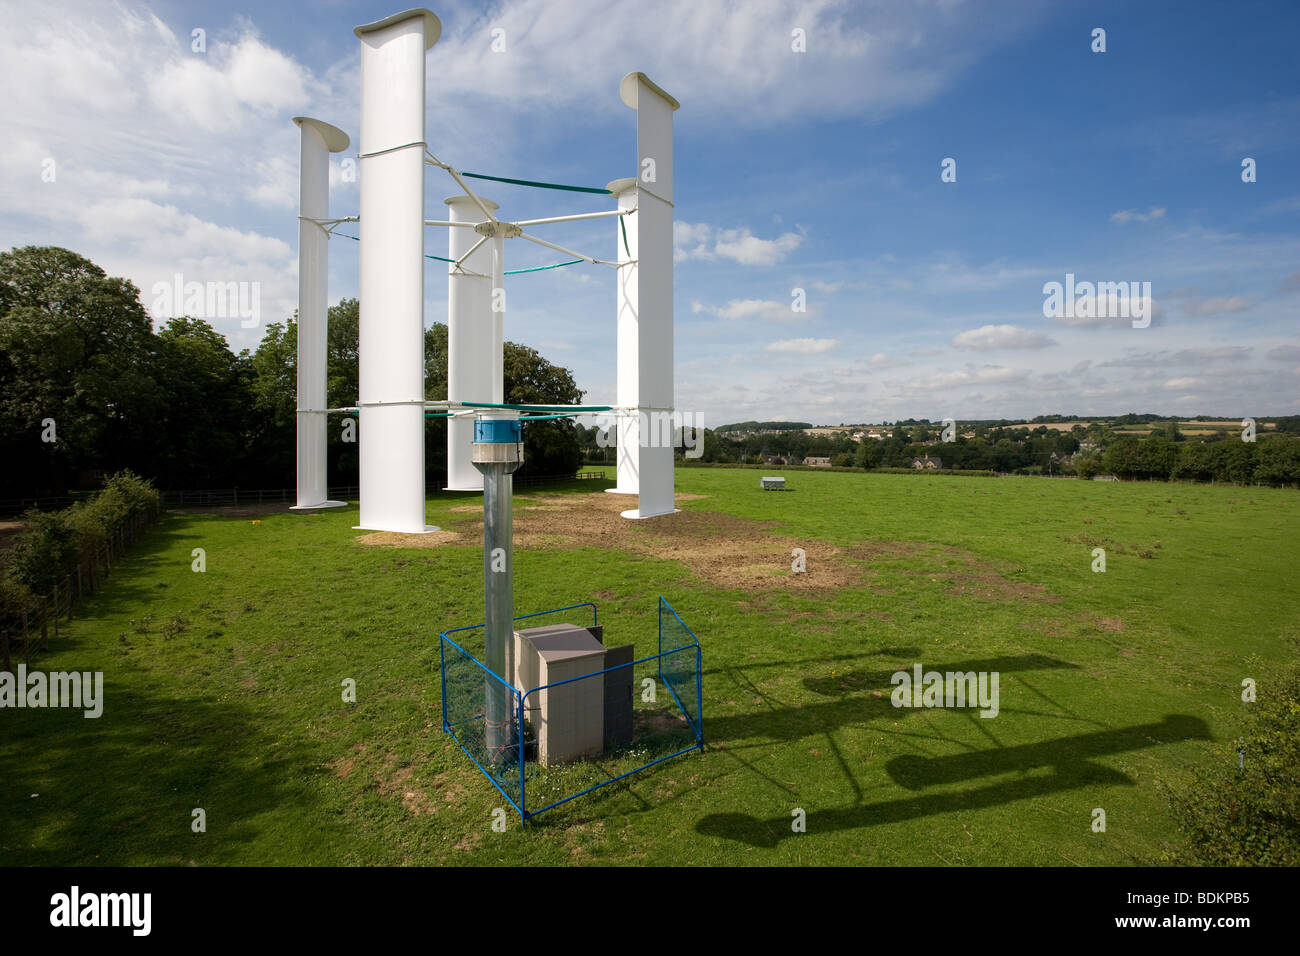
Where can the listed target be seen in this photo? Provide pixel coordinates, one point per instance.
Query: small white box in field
(772, 484)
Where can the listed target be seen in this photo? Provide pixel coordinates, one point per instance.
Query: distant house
(818, 462)
(778, 460)
(927, 463)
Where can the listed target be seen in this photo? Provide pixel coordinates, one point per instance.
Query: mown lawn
(223, 689)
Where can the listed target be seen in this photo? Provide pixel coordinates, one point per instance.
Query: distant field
(1051, 426)
(1187, 428)
(222, 688)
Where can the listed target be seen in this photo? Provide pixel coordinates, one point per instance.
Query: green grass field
(223, 689)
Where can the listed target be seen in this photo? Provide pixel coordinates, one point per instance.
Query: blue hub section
(497, 431)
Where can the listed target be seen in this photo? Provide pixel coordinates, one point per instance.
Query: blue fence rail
(467, 682)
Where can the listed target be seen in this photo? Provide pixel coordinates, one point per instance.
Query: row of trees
(87, 387)
(1166, 454)
(1272, 460)
(999, 449)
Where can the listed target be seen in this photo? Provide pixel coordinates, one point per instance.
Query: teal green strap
(510, 272)
(580, 410)
(529, 182)
(515, 272)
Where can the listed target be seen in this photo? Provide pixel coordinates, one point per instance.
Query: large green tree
(273, 403)
(76, 349)
(204, 423)
(550, 447)
(80, 363)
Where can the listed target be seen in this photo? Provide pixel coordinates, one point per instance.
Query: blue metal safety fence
(678, 668)
(658, 726)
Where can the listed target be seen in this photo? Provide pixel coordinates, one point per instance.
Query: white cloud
(1117, 315)
(749, 250)
(1183, 357)
(767, 309)
(276, 184)
(880, 361)
(1001, 337)
(803, 346)
(701, 241)
(1132, 215)
(165, 159)
(989, 374)
(219, 90)
(723, 59)
(1217, 305)
(1285, 353)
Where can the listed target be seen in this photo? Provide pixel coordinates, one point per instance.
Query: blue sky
(817, 171)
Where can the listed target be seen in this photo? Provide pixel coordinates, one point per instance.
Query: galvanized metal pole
(498, 452)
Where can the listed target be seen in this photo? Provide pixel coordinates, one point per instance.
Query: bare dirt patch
(397, 539)
(395, 781)
(727, 551)
(343, 765)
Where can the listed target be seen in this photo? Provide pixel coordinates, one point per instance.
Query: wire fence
(593, 716)
(29, 631)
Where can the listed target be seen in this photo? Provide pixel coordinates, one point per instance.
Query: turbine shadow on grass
(795, 721)
(1070, 760)
(880, 680)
